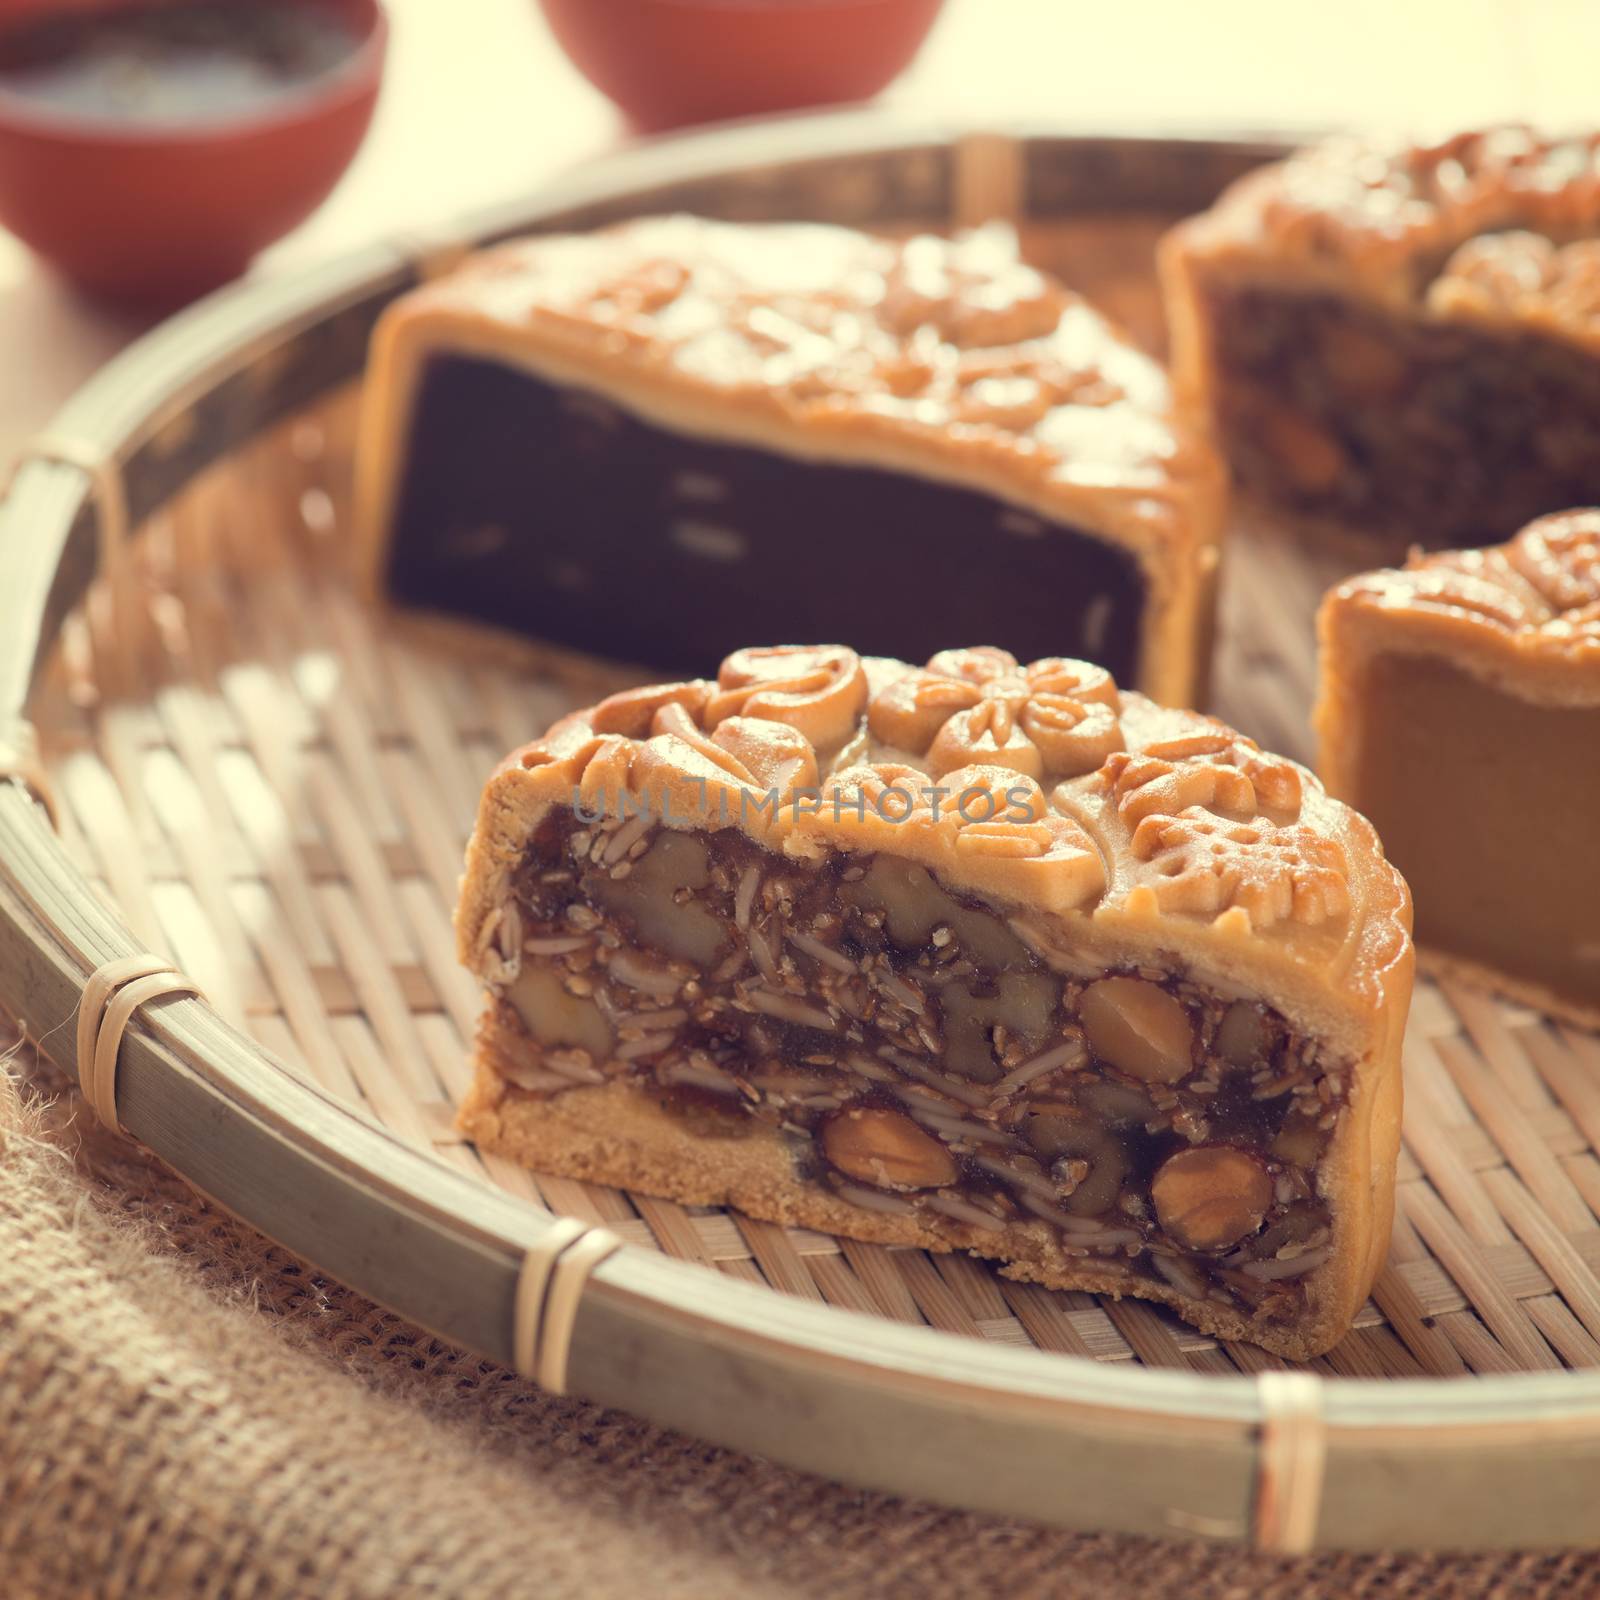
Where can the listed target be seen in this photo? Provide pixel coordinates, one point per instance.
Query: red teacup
(671, 62)
(163, 200)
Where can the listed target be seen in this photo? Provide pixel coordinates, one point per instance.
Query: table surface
(479, 104)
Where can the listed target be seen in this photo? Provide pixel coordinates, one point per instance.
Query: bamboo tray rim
(188, 1079)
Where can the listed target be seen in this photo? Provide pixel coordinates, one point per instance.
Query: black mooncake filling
(550, 511)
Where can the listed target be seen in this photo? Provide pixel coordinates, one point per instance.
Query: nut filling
(920, 1057)
(1435, 430)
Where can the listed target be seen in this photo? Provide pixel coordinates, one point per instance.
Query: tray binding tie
(550, 1285)
(1290, 1462)
(106, 488)
(114, 992)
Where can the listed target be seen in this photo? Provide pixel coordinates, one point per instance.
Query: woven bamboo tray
(269, 784)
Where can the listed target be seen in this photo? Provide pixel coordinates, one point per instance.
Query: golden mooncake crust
(1164, 828)
(1494, 222)
(1524, 614)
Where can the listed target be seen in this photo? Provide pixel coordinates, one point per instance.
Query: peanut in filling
(920, 1057)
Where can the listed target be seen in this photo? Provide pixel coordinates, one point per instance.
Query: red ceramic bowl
(160, 213)
(670, 62)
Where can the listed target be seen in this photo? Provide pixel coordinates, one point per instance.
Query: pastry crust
(950, 360)
(1524, 615)
(1131, 838)
(1494, 224)
(1522, 619)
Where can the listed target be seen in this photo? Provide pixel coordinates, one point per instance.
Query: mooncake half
(978, 955)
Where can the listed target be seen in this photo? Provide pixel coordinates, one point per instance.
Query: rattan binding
(549, 1290)
(106, 487)
(1289, 1462)
(111, 997)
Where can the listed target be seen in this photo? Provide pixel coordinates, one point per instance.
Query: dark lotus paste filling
(859, 997)
(550, 511)
(1439, 433)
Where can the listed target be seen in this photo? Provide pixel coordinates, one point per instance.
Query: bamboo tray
(261, 779)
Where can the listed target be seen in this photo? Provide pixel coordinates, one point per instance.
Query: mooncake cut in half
(779, 426)
(1401, 339)
(1460, 711)
(977, 955)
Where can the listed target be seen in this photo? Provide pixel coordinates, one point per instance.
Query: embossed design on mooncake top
(955, 339)
(1276, 873)
(987, 810)
(632, 711)
(1498, 206)
(642, 289)
(655, 746)
(1193, 823)
(755, 751)
(819, 690)
(1540, 590)
(983, 820)
(759, 727)
(1559, 557)
(976, 291)
(1216, 769)
(1524, 277)
(1053, 718)
(1469, 585)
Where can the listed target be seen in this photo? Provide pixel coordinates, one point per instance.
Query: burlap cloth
(186, 1411)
